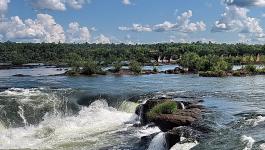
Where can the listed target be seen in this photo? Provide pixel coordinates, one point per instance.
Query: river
(59, 112)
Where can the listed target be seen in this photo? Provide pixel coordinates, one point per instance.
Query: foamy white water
(184, 146)
(262, 146)
(158, 142)
(248, 141)
(86, 129)
(255, 121)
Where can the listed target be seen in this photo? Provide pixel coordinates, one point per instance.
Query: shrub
(155, 69)
(168, 107)
(91, 67)
(135, 67)
(250, 68)
(117, 66)
(221, 65)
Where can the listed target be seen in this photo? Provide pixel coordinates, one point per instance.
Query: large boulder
(185, 117)
(143, 109)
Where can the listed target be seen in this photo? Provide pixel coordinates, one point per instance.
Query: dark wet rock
(186, 117)
(21, 75)
(174, 136)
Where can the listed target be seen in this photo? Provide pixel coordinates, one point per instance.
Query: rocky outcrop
(177, 70)
(185, 117)
(174, 136)
(187, 113)
(143, 109)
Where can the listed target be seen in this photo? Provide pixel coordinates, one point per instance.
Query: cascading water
(182, 106)
(158, 142)
(92, 127)
(21, 114)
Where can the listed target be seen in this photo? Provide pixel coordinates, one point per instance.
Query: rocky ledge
(176, 119)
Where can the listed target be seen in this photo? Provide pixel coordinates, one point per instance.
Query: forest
(106, 54)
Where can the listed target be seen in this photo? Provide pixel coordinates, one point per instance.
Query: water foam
(86, 128)
(256, 121)
(158, 142)
(262, 146)
(248, 141)
(184, 145)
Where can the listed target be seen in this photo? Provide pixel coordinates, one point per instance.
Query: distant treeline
(62, 53)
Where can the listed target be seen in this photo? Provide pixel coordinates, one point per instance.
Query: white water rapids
(86, 130)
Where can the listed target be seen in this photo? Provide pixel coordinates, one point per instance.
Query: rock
(143, 109)
(21, 75)
(174, 136)
(185, 117)
(177, 70)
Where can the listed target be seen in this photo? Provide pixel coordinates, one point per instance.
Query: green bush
(155, 69)
(117, 66)
(221, 65)
(91, 67)
(250, 68)
(168, 107)
(135, 67)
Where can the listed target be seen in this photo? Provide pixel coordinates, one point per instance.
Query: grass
(168, 107)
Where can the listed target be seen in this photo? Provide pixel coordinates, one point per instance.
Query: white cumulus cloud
(59, 5)
(3, 6)
(102, 39)
(236, 19)
(44, 29)
(126, 2)
(183, 24)
(246, 3)
(77, 34)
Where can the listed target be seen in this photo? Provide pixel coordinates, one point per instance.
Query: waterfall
(158, 142)
(21, 114)
(182, 106)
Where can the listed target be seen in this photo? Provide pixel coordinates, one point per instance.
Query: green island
(205, 59)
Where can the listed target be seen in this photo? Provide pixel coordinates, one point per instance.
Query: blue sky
(132, 21)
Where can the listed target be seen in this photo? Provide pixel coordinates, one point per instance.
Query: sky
(132, 21)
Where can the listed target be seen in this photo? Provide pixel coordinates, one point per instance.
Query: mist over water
(57, 112)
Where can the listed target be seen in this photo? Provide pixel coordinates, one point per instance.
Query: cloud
(183, 25)
(44, 29)
(77, 34)
(49, 4)
(102, 39)
(3, 6)
(77, 4)
(235, 19)
(137, 28)
(126, 2)
(246, 3)
(59, 5)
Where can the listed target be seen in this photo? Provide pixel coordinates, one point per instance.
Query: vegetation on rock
(168, 107)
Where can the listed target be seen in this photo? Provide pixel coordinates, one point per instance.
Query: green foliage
(214, 63)
(73, 59)
(135, 67)
(190, 55)
(191, 61)
(168, 107)
(250, 68)
(91, 67)
(117, 66)
(221, 65)
(155, 69)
